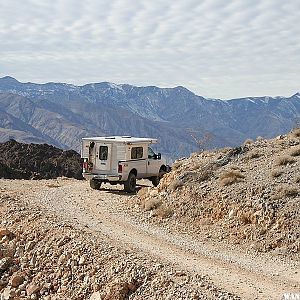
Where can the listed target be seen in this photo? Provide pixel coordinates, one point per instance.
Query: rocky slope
(63, 113)
(45, 254)
(37, 161)
(247, 195)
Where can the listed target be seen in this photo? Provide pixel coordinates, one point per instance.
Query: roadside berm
(249, 195)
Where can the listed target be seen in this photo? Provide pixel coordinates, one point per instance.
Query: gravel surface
(97, 234)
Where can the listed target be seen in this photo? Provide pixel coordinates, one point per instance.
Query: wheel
(130, 183)
(95, 184)
(155, 180)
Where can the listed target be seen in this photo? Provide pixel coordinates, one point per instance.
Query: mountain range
(61, 114)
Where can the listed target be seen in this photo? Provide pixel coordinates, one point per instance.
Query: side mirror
(158, 155)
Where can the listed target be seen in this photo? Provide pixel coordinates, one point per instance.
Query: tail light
(84, 166)
(120, 168)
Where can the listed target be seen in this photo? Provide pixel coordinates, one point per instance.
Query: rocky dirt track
(63, 240)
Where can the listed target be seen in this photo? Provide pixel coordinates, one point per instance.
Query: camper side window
(103, 152)
(136, 152)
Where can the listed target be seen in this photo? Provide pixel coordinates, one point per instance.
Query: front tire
(155, 180)
(130, 183)
(95, 184)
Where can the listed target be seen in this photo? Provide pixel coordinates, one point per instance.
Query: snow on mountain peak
(115, 86)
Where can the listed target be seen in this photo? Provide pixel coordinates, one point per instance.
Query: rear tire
(95, 184)
(130, 183)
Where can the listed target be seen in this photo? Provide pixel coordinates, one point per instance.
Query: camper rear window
(103, 152)
(136, 152)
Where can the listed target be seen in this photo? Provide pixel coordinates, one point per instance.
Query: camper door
(103, 156)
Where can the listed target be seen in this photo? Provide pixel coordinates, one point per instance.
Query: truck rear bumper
(102, 177)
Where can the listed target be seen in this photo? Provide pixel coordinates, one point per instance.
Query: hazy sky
(216, 48)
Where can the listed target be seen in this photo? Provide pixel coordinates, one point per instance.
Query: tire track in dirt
(98, 210)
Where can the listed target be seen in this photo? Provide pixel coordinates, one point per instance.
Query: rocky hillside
(37, 161)
(248, 195)
(60, 114)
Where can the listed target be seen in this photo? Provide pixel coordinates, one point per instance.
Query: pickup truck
(121, 160)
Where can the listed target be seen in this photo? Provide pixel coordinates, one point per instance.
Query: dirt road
(104, 213)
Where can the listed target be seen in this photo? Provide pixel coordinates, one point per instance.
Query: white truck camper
(121, 159)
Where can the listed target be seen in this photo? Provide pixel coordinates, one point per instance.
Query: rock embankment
(37, 161)
(44, 256)
(249, 195)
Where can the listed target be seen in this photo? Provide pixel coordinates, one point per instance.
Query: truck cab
(121, 159)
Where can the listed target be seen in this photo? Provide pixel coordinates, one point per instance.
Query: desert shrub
(296, 132)
(152, 203)
(276, 173)
(284, 160)
(143, 193)
(231, 176)
(53, 185)
(164, 211)
(176, 184)
(296, 247)
(286, 191)
(195, 166)
(295, 151)
(205, 174)
(194, 155)
(224, 150)
(177, 164)
(297, 179)
(246, 218)
(248, 142)
(235, 168)
(254, 154)
(290, 191)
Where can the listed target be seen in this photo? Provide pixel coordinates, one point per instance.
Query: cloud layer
(215, 48)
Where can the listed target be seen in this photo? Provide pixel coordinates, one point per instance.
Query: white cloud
(216, 48)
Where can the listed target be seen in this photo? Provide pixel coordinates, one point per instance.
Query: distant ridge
(60, 114)
(42, 161)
